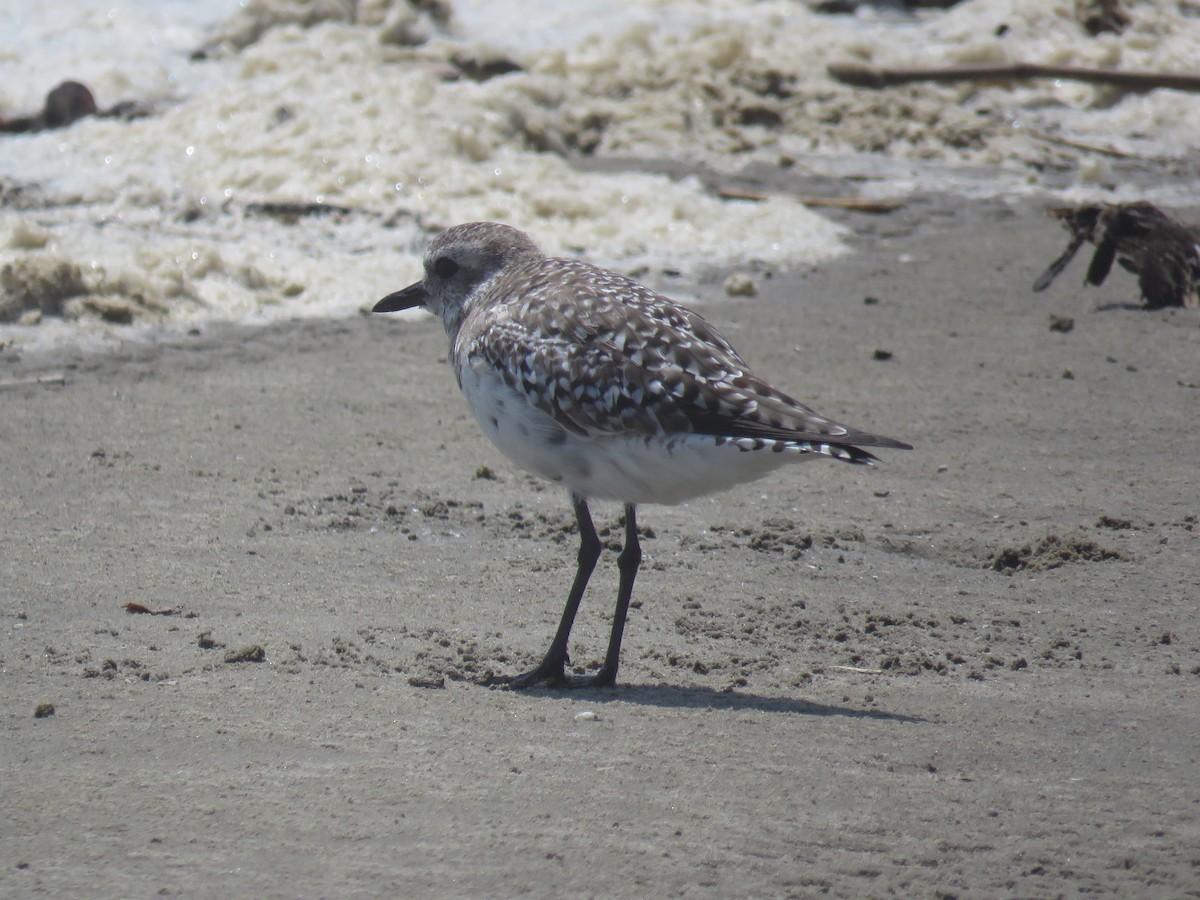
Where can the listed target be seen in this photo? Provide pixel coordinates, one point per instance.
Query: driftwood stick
(858, 204)
(1080, 145)
(868, 77)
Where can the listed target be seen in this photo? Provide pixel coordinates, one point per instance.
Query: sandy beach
(971, 671)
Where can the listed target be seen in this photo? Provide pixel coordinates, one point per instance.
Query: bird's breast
(630, 467)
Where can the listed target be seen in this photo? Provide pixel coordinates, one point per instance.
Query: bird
(587, 378)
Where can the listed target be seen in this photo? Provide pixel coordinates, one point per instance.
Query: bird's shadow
(677, 697)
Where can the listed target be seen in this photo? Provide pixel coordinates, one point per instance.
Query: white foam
(157, 212)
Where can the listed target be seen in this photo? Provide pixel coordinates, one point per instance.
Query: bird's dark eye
(445, 267)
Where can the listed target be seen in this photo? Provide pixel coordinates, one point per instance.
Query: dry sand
(827, 685)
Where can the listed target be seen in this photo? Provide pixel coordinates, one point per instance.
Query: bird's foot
(555, 677)
(549, 672)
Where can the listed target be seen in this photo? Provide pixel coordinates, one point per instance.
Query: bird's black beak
(413, 295)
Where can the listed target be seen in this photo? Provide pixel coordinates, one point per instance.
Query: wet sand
(971, 671)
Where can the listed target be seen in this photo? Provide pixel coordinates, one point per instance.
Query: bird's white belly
(628, 468)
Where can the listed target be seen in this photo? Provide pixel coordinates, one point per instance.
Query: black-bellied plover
(587, 378)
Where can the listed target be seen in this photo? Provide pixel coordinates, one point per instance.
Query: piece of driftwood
(293, 211)
(66, 104)
(872, 77)
(1080, 145)
(1163, 252)
(856, 204)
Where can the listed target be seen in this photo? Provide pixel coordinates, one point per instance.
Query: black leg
(627, 564)
(552, 668)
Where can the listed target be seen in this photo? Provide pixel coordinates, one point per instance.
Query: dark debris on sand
(1162, 251)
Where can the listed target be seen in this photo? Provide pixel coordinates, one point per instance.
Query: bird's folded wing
(642, 381)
